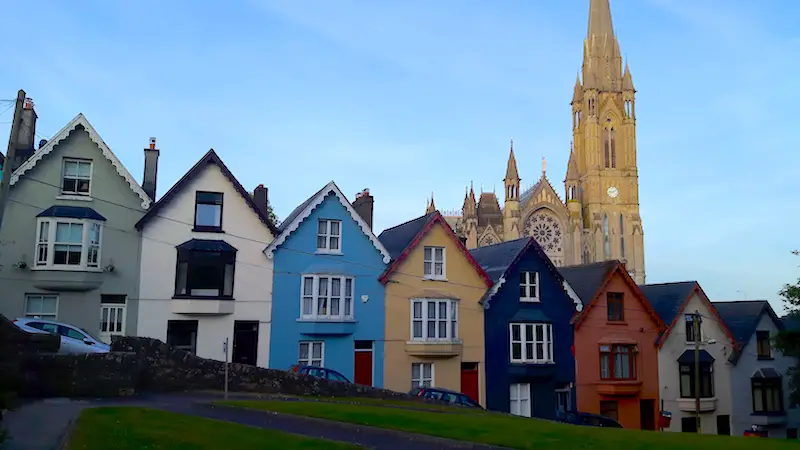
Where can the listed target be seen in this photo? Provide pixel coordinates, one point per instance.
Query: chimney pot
(363, 204)
(152, 143)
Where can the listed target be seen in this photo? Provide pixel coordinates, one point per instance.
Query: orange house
(616, 358)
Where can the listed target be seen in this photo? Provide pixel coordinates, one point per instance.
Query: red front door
(363, 365)
(469, 381)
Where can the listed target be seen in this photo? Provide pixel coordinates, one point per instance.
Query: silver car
(73, 339)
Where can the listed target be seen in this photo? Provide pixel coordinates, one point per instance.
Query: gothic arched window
(606, 241)
(612, 143)
(621, 236)
(606, 149)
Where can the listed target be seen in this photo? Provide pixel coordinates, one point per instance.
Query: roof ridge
(407, 222)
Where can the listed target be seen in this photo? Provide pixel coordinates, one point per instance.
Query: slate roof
(742, 317)
(72, 212)
(791, 322)
(210, 157)
(397, 238)
(586, 279)
(668, 298)
(495, 259)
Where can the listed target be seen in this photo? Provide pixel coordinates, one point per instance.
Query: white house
(676, 359)
(204, 277)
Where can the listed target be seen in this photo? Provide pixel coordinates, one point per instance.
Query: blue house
(530, 367)
(328, 304)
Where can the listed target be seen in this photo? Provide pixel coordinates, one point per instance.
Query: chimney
(363, 205)
(261, 199)
(27, 134)
(150, 169)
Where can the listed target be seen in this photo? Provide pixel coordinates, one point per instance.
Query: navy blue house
(530, 367)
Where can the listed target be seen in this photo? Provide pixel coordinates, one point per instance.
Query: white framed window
(68, 244)
(434, 320)
(528, 286)
(434, 263)
(312, 353)
(520, 399)
(41, 306)
(76, 177)
(421, 375)
(329, 236)
(531, 342)
(327, 297)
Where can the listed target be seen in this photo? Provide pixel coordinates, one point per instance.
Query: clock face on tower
(612, 192)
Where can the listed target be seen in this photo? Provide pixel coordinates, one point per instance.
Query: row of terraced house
(85, 242)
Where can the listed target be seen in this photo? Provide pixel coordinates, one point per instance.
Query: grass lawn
(144, 428)
(514, 432)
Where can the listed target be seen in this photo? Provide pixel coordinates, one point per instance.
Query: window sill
(326, 320)
(77, 197)
(207, 230)
(617, 323)
(434, 341)
(533, 363)
(328, 252)
(54, 268)
(769, 413)
(765, 358)
(201, 297)
(529, 300)
(431, 278)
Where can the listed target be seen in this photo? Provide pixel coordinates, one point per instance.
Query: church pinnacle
(602, 62)
(511, 169)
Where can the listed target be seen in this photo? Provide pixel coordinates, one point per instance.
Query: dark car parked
(445, 395)
(588, 420)
(319, 372)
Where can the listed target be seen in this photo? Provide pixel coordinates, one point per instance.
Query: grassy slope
(143, 428)
(515, 432)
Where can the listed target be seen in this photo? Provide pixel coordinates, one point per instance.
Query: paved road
(41, 425)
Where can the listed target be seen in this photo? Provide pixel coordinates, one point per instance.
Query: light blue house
(328, 305)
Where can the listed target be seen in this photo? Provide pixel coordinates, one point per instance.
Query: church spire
(600, 24)
(602, 62)
(511, 169)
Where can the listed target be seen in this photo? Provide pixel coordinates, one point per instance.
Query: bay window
(205, 269)
(68, 244)
(688, 380)
(327, 297)
(434, 320)
(531, 342)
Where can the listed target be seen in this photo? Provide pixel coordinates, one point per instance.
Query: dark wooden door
(470, 383)
(362, 372)
(245, 342)
(647, 414)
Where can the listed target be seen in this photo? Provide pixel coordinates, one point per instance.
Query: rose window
(546, 230)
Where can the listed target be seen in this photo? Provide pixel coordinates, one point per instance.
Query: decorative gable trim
(550, 267)
(704, 298)
(320, 197)
(578, 319)
(210, 157)
(436, 218)
(63, 134)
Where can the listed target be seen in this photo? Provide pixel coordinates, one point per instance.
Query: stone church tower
(598, 218)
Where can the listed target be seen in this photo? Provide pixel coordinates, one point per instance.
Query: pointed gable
(499, 259)
(210, 157)
(669, 300)
(81, 123)
(742, 317)
(403, 238)
(541, 192)
(299, 214)
(589, 280)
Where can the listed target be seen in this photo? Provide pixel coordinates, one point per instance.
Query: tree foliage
(788, 342)
(272, 216)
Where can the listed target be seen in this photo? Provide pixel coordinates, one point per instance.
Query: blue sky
(406, 97)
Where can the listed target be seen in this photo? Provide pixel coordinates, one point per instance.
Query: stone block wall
(165, 369)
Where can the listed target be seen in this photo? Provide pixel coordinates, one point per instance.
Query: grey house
(760, 374)
(70, 251)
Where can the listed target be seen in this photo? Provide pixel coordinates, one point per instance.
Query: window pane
(334, 306)
(539, 351)
(323, 287)
(438, 255)
(431, 310)
(427, 370)
(415, 371)
(208, 215)
(516, 350)
(529, 350)
(428, 254)
(442, 310)
(428, 269)
(438, 268)
(308, 286)
(529, 332)
(539, 333)
(334, 243)
(417, 329)
(442, 329)
(336, 287)
(348, 307)
(432, 329)
(322, 227)
(227, 288)
(515, 332)
(317, 350)
(335, 227)
(417, 310)
(303, 351)
(348, 287)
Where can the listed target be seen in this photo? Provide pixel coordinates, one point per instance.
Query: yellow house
(434, 318)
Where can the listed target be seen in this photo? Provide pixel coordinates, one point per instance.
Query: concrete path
(41, 425)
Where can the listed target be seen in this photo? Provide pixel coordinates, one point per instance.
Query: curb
(64, 437)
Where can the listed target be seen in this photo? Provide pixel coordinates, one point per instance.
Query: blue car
(319, 372)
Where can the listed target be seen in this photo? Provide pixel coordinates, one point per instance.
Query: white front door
(520, 397)
(112, 321)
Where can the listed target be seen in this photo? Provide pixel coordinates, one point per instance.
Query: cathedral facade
(598, 218)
